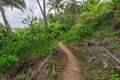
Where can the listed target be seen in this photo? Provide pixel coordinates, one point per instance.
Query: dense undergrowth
(91, 18)
(28, 42)
(79, 43)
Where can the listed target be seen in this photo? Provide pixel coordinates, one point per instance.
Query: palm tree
(71, 10)
(72, 6)
(19, 4)
(83, 1)
(96, 11)
(56, 5)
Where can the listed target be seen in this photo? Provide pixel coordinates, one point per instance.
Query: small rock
(81, 44)
(92, 59)
(92, 42)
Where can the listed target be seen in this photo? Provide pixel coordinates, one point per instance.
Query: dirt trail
(71, 71)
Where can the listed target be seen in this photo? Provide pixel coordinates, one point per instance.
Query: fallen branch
(53, 66)
(92, 59)
(42, 75)
(42, 66)
(111, 55)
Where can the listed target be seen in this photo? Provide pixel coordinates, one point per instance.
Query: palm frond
(19, 4)
(85, 16)
(51, 9)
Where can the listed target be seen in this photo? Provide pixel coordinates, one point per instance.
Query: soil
(71, 69)
(92, 58)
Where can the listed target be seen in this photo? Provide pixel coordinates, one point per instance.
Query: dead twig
(111, 55)
(53, 69)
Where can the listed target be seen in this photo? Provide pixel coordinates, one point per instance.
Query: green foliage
(114, 76)
(68, 19)
(96, 12)
(115, 47)
(51, 18)
(34, 40)
(117, 17)
(23, 76)
(6, 61)
(1, 24)
(3, 34)
(19, 4)
(115, 3)
(84, 30)
(108, 32)
(117, 13)
(68, 36)
(29, 42)
(52, 77)
(93, 1)
(56, 29)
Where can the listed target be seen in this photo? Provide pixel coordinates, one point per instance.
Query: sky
(16, 16)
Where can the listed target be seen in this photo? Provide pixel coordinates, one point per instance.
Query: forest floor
(93, 55)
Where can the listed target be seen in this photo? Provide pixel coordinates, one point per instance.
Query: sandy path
(71, 70)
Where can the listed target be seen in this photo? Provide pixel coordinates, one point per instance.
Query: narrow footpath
(71, 70)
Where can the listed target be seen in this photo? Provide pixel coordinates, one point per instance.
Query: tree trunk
(45, 21)
(83, 1)
(4, 18)
(40, 7)
(43, 13)
(75, 7)
(55, 12)
(55, 9)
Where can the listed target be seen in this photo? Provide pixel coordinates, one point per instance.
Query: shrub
(67, 19)
(56, 29)
(29, 42)
(84, 30)
(68, 36)
(114, 75)
(7, 61)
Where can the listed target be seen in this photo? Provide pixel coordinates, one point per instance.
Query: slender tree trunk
(45, 21)
(74, 10)
(4, 18)
(75, 7)
(83, 1)
(43, 13)
(55, 12)
(55, 9)
(40, 7)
